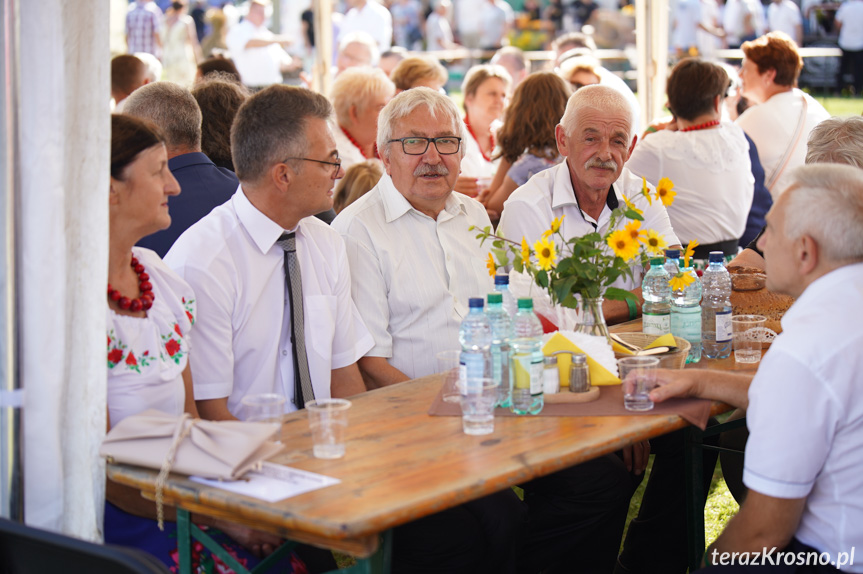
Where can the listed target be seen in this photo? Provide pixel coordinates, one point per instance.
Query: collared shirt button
(284, 353)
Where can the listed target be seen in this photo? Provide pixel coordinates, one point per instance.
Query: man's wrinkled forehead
(589, 119)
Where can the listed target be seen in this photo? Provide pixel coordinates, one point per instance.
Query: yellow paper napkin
(666, 340)
(599, 375)
(618, 348)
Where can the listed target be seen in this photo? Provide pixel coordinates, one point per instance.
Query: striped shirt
(142, 24)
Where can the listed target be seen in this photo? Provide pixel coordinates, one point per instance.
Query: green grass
(840, 106)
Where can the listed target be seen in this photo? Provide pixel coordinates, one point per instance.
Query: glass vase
(592, 319)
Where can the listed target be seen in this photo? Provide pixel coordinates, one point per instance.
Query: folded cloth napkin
(600, 357)
(212, 449)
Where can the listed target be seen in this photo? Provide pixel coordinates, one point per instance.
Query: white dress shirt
(413, 275)
(771, 126)
(805, 414)
(531, 208)
(712, 176)
(261, 66)
(231, 259)
(372, 19)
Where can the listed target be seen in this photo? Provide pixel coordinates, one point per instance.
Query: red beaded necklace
(470, 131)
(353, 141)
(145, 301)
(703, 126)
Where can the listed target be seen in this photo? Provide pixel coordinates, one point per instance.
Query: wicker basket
(675, 360)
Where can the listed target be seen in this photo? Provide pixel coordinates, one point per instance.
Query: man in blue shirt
(205, 186)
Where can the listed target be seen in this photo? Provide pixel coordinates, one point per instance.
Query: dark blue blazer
(203, 186)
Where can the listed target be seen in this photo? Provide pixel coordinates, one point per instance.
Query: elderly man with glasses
(272, 283)
(415, 263)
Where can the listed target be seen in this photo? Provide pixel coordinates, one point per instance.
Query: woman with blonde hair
(419, 71)
(526, 140)
(359, 179)
(358, 96)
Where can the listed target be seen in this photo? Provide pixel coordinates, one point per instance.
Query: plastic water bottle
(475, 338)
(672, 261)
(501, 285)
(501, 331)
(526, 345)
(686, 315)
(716, 308)
(656, 291)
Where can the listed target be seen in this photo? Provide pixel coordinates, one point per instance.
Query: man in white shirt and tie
(236, 259)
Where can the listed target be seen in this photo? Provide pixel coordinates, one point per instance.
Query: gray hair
(406, 102)
(825, 201)
(154, 66)
(598, 97)
(359, 87)
(271, 126)
(364, 38)
(837, 140)
(172, 108)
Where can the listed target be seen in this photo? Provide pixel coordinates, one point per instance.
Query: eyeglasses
(446, 145)
(336, 164)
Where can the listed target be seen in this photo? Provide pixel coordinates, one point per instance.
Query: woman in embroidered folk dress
(484, 89)
(526, 138)
(707, 160)
(150, 314)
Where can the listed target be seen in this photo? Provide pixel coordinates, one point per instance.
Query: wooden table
(402, 464)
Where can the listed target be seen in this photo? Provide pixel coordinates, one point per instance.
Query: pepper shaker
(579, 376)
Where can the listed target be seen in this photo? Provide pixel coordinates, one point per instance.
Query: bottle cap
(525, 303)
(579, 358)
(495, 298)
(474, 302)
(501, 279)
(716, 257)
(656, 261)
(672, 253)
(549, 361)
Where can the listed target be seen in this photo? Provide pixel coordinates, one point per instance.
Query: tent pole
(11, 464)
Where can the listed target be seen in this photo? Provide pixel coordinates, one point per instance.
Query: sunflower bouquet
(584, 268)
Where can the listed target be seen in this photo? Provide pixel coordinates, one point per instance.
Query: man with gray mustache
(414, 265)
(595, 136)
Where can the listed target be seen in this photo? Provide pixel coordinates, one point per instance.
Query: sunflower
(545, 253)
(645, 191)
(490, 265)
(525, 251)
(631, 206)
(665, 191)
(680, 281)
(632, 228)
(623, 244)
(654, 243)
(690, 251)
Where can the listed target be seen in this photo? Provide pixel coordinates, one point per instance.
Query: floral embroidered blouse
(147, 355)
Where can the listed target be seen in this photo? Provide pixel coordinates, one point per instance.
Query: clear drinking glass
(639, 378)
(328, 419)
(748, 333)
(448, 366)
(477, 406)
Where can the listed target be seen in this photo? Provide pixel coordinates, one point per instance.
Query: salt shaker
(550, 376)
(579, 376)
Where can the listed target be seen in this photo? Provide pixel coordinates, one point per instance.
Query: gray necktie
(294, 285)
